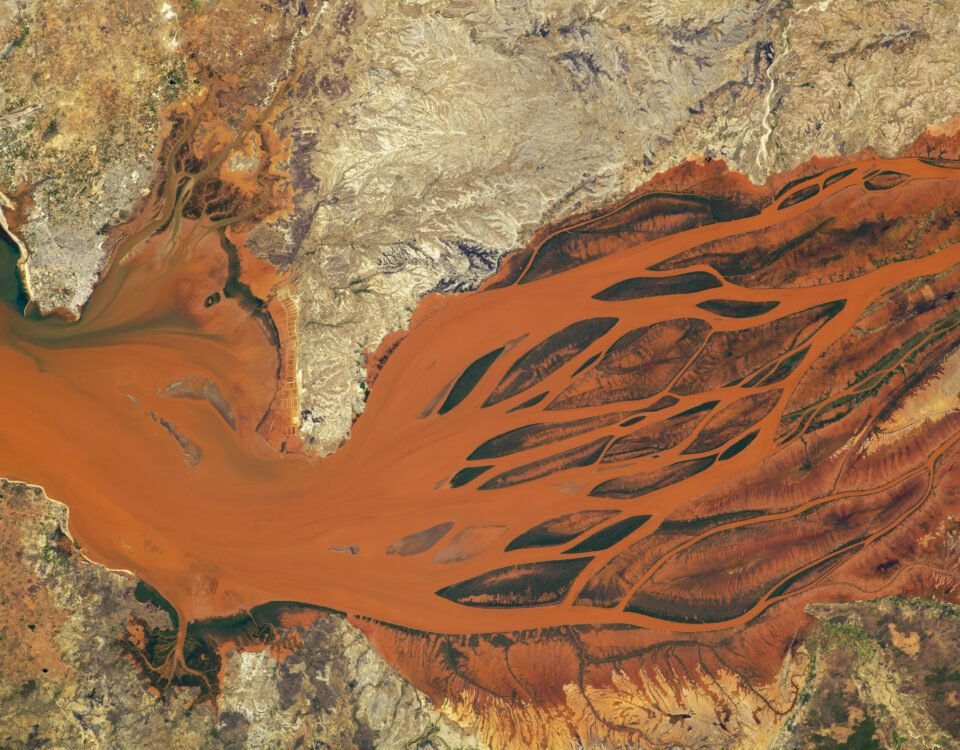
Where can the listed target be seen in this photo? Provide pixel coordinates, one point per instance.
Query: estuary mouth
(481, 509)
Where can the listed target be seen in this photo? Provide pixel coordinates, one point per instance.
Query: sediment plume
(625, 465)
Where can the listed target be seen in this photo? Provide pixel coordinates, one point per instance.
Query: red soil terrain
(636, 454)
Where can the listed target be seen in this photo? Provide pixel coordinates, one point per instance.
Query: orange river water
(86, 414)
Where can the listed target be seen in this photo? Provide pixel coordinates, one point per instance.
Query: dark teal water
(12, 291)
